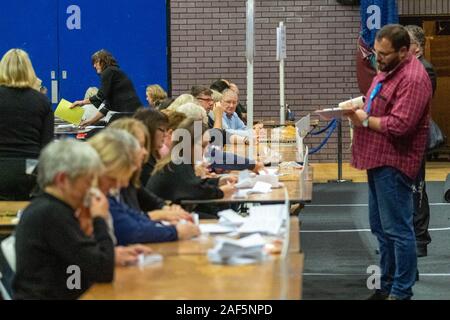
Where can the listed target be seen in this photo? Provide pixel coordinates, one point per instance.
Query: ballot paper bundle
(235, 252)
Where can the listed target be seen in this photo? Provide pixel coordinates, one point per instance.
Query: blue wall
(61, 36)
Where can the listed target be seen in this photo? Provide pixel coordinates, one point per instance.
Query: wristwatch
(365, 122)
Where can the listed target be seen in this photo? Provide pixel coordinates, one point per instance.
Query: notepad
(64, 112)
(330, 113)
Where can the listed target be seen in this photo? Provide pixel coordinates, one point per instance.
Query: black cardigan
(26, 122)
(48, 241)
(117, 91)
(179, 182)
(141, 199)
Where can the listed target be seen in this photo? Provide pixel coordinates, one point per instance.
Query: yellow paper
(70, 115)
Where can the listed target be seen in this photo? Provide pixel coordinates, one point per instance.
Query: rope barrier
(330, 127)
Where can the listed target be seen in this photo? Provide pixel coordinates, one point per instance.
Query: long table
(8, 215)
(186, 273)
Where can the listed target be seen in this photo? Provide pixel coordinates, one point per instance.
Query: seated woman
(155, 95)
(138, 197)
(26, 124)
(120, 152)
(49, 239)
(156, 123)
(175, 179)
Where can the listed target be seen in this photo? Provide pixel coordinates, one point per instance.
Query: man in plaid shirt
(389, 142)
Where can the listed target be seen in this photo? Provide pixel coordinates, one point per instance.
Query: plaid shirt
(403, 104)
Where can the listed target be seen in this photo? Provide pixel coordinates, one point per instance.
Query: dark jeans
(421, 209)
(391, 221)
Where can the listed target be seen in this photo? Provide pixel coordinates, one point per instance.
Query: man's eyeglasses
(205, 99)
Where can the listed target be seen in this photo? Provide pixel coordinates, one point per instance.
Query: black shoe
(417, 275)
(421, 251)
(378, 295)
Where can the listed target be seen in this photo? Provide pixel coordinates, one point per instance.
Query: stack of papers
(249, 180)
(235, 252)
(215, 228)
(259, 187)
(230, 218)
(267, 219)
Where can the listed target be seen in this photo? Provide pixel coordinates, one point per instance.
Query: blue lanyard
(373, 94)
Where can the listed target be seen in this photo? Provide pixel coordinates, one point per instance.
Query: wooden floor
(322, 172)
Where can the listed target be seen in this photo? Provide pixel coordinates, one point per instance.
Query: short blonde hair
(193, 111)
(117, 150)
(216, 96)
(16, 70)
(180, 100)
(175, 118)
(156, 93)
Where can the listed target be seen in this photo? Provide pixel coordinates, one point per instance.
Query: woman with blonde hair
(120, 153)
(138, 197)
(155, 95)
(26, 124)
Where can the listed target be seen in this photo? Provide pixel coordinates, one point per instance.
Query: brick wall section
(208, 42)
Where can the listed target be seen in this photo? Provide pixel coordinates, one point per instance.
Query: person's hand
(218, 110)
(259, 166)
(140, 249)
(228, 190)
(187, 230)
(78, 103)
(201, 169)
(98, 206)
(227, 180)
(357, 117)
(172, 214)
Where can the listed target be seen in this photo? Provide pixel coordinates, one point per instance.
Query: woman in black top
(26, 124)
(55, 257)
(175, 179)
(157, 124)
(116, 93)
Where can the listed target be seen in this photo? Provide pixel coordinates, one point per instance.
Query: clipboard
(330, 113)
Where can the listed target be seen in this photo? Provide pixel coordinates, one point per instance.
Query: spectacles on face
(205, 99)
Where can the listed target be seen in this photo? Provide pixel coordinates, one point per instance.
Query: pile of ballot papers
(236, 252)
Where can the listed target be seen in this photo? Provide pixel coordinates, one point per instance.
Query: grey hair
(193, 111)
(70, 156)
(417, 35)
